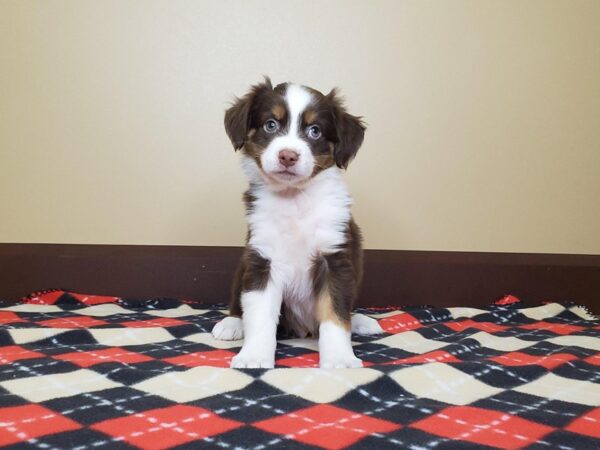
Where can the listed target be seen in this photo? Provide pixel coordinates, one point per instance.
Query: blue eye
(271, 126)
(313, 132)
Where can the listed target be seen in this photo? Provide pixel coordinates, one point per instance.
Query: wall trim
(392, 277)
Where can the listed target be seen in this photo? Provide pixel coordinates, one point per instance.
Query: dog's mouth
(284, 175)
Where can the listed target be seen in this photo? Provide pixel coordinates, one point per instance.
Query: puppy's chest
(290, 230)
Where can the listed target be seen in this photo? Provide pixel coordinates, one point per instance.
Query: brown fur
(253, 151)
(252, 275)
(278, 111)
(324, 161)
(310, 117)
(326, 311)
(341, 276)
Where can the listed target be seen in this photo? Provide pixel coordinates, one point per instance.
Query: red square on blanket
(151, 323)
(214, 358)
(93, 299)
(588, 424)
(72, 322)
(434, 356)
(399, 323)
(326, 426)
(483, 426)
(12, 353)
(166, 427)
(523, 359)
(90, 358)
(46, 298)
(308, 360)
(558, 328)
(594, 359)
(9, 317)
(461, 325)
(21, 423)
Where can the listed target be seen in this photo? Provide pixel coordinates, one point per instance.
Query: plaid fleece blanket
(91, 372)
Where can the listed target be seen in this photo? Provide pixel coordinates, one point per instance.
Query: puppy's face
(291, 132)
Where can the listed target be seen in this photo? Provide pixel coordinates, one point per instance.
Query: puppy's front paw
(228, 329)
(349, 362)
(250, 360)
(365, 325)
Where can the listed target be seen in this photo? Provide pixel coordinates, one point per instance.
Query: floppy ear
(238, 116)
(350, 132)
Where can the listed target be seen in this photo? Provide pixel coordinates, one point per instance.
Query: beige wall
(484, 117)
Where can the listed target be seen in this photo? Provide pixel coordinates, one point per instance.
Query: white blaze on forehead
(297, 99)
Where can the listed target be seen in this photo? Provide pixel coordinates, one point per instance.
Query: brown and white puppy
(303, 256)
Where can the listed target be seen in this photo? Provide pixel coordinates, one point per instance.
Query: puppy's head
(292, 132)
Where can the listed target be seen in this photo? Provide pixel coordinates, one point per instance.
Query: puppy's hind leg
(231, 328)
(228, 329)
(365, 325)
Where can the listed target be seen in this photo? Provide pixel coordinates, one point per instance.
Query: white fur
(290, 229)
(297, 99)
(261, 315)
(229, 329)
(335, 347)
(365, 325)
(303, 168)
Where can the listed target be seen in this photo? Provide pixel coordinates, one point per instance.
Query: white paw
(365, 325)
(251, 360)
(228, 329)
(349, 362)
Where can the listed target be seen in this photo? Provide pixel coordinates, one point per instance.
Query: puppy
(303, 255)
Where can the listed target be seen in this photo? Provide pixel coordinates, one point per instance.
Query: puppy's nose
(288, 158)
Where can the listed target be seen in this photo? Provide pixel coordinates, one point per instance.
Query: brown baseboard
(392, 277)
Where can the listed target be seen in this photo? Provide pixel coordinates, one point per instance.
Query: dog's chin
(285, 178)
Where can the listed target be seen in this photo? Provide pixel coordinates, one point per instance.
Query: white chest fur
(291, 229)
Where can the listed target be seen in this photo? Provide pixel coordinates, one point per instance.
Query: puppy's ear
(238, 116)
(350, 131)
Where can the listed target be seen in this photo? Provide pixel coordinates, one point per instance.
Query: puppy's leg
(335, 347)
(228, 329)
(336, 288)
(260, 318)
(231, 328)
(365, 325)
